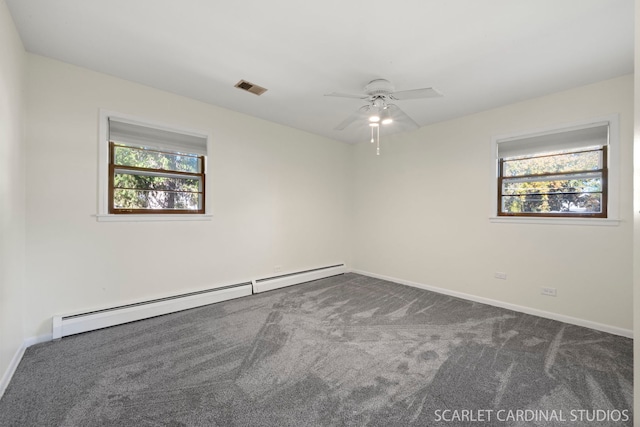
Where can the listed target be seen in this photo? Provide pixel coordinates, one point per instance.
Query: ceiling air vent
(250, 87)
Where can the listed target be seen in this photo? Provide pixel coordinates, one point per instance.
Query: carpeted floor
(344, 351)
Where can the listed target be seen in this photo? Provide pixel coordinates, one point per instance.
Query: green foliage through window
(152, 181)
(554, 184)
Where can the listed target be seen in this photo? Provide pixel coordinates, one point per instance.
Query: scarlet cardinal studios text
(529, 415)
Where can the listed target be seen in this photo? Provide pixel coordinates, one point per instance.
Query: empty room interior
(347, 213)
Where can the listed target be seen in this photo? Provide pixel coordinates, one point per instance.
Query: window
(559, 174)
(154, 171)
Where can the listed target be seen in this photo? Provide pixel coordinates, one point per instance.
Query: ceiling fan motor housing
(379, 87)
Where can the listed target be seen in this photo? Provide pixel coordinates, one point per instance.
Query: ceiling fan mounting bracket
(379, 88)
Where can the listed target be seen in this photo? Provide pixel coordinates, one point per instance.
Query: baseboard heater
(270, 283)
(98, 319)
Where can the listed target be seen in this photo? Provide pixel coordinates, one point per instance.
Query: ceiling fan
(379, 109)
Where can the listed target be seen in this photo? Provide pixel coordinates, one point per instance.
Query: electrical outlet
(277, 269)
(500, 275)
(550, 292)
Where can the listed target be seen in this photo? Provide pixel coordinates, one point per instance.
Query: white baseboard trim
(271, 283)
(28, 342)
(11, 369)
(17, 357)
(519, 308)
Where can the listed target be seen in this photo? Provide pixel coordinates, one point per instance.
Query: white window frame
(103, 170)
(613, 184)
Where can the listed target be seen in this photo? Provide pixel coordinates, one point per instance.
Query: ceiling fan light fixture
(386, 117)
(374, 119)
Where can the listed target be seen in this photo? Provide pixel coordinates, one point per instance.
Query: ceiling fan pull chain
(378, 144)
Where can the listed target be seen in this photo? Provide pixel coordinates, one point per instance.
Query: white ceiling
(479, 53)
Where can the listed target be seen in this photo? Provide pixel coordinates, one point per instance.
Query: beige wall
(422, 214)
(280, 198)
(12, 192)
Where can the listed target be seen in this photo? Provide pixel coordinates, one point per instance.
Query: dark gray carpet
(344, 351)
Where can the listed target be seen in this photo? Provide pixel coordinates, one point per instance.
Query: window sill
(153, 217)
(555, 221)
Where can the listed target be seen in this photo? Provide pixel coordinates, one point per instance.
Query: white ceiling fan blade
(347, 95)
(359, 114)
(427, 92)
(401, 117)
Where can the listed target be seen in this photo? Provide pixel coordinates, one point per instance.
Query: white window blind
(596, 134)
(154, 138)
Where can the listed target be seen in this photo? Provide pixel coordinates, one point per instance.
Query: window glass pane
(580, 193)
(155, 199)
(135, 181)
(568, 162)
(566, 184)
(144, 190)
(141, 158)
(553, 203)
